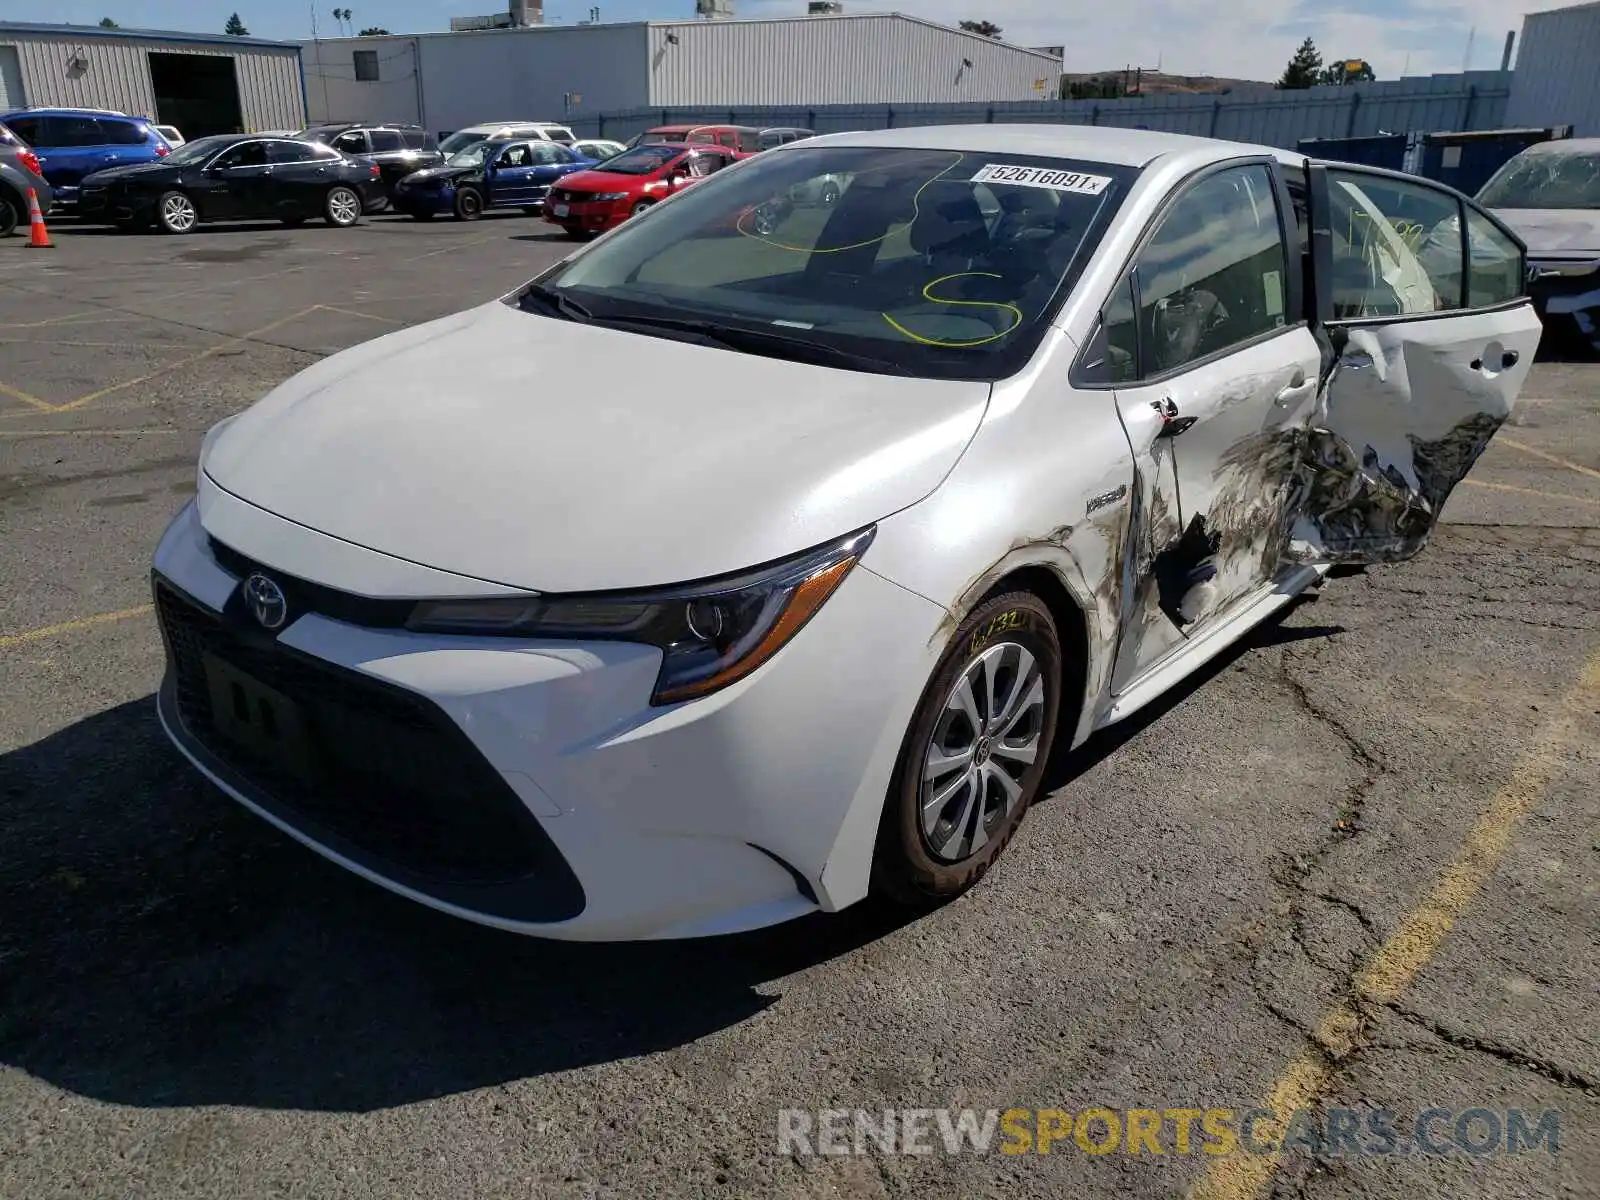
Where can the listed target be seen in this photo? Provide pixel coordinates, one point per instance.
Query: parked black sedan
(233, 177)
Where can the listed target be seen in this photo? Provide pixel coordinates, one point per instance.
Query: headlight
(609, 196)
(711, 634)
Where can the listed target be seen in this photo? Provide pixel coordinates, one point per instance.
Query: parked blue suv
(74, 142)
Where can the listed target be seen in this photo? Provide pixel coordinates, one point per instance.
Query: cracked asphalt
(1355, 863)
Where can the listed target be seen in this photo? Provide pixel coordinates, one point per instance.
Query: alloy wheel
(344, 206)
(988, 734)
(178, 213)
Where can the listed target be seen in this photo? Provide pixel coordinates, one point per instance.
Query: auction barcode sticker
(1044, 177)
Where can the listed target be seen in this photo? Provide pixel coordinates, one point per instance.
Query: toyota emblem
(266, 602)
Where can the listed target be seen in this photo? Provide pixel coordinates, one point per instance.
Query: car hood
(439, 172)
(487, 444)
(598, 179)
(1555, 230)
(130, 171)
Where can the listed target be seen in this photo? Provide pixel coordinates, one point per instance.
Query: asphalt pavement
(1353, 864)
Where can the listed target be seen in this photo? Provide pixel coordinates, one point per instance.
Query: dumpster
(1382, 150)
(1467, 160)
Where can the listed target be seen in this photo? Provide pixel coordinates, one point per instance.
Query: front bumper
(529, 785)
(423, 200)
(593, 215)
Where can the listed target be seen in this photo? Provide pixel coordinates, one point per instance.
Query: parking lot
(1354, 862)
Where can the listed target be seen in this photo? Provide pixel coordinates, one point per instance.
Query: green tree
(374, 31)
(987, 29)
(235, 27)
(1304, 69)
(108, 23)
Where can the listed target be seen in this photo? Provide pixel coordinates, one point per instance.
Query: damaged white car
(875, 505)
(1550, 195)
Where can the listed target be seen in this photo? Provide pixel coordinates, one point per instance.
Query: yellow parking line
(1551, 458)
(1422, 930)
(350, 312)
(18, 394)
(7, 640)
(210, 352)
(21, 433)
(1522, 491)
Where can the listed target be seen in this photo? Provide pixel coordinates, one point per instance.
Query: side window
(247, 154)
(1213, 276)
(1396, 247)
(27, 128)
(1495, 271)
(354, 142)
(290, 152)
(121, 133)
(516, 156)
(386, 139)
(1112, 354)
(416, 139)
(76, 131)
(548, 154)
(366, 65)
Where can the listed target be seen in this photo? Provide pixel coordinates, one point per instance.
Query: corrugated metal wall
(1554, 83)
(469, 78)
(837, 60)
(118, 75)
(1476, 100)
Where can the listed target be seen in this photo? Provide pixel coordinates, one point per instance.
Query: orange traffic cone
(38, 235)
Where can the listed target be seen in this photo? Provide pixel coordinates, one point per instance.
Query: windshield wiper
(559, 303)
(762, 341)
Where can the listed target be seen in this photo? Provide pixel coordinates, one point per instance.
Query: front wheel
(642, 206)
(176, 213)
(975, 755)
(469, 204)
(343, 207)
(10, 215)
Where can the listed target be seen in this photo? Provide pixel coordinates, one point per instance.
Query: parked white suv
(462, 138)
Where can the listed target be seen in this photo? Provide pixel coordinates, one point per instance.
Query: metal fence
(1475, 100)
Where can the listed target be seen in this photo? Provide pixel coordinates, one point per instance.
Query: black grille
(385, 777)
(304, 596)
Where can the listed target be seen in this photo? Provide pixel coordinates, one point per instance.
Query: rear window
(26, 128)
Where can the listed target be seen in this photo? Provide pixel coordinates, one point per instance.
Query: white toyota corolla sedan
(861, 513)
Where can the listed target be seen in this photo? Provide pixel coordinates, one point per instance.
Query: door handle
(1507, 360)
(1293, 390)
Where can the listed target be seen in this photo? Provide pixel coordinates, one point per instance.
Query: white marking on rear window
(1043, 177)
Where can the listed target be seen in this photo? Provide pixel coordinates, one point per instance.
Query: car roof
(1096, 143)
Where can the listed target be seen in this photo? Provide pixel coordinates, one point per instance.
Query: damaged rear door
(1423, 297)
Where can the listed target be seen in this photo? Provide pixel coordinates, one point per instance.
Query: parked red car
(743, 140)
(593, 201)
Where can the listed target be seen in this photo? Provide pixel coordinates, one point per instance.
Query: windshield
(460, 141)
(199, 150)
(1546, 179)
(472, 156)
(643, 160)
(936, 262)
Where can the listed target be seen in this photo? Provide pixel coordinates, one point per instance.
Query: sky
(1250, 39)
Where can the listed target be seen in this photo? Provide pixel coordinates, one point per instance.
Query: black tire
(10, 213)
(907, 867)
(168, 210)
(419, 215)
(469, 204)
(342, 206)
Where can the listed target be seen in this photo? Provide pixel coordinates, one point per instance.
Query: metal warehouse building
(552, 72)
(201, 84)
(1555, 80)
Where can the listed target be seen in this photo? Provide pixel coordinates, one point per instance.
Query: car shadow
(164, 947)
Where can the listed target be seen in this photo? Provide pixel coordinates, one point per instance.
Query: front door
(246, 180)
(509, 176)
(1230, 368)
(1433, 343)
